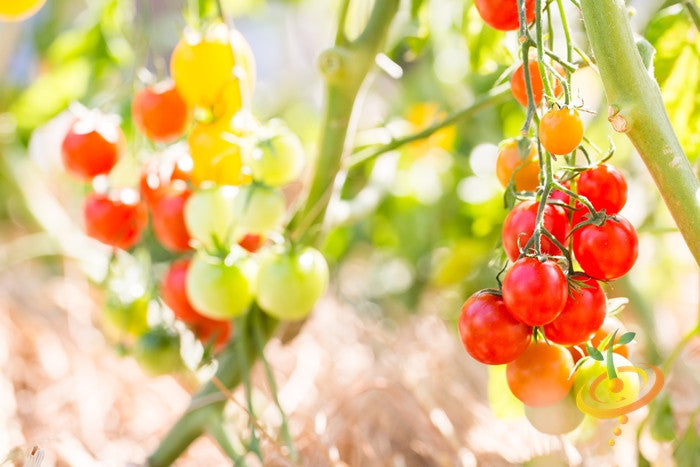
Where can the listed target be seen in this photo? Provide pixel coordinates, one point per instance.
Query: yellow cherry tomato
(202, 67)
(18, 10)
(214, 159)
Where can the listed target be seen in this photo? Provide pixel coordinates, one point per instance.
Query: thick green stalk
(637, 109)
(344, 68)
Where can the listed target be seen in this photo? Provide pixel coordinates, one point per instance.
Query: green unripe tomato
(258, 209)
(556, 419)
(278, 159)
(290, 283)
(609, 392)
(210, 215)
(158, 352)
(128, 318)
(219, 289)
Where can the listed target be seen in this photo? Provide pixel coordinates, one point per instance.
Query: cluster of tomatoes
(563, 238)
(212, 187)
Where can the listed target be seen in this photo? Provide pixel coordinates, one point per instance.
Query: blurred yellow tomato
(214, 159)
(202, 66)
(423, 115)
(17, 10)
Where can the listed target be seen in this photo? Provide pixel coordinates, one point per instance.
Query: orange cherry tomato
(519, 88)
(509, 160)
(561, 130)
(540, 375)
(160, 112)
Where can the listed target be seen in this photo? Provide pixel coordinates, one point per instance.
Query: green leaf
(661, 419)
(626, 338)
(594, 353)
(687, 451)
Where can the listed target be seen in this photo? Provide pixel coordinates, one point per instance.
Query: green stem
(637, 109)
(693, 11)
(344, 68)
(206, 406)
(494, 97)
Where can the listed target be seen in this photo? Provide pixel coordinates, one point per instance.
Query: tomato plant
(535, 292)
(608, 251)
(489, 332)
(539, 377)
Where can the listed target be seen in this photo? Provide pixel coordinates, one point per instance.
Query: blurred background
(378, 375)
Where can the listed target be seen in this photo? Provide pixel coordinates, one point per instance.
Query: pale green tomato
(258, 209)
(556, 419)
(218, 289)
(290, 284)
(610, 393)
(210, 215)
(278, 159)
(128, 318)
(158, 352)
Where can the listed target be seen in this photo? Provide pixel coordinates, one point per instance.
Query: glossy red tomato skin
(605, 187)
(160, 113)
(161, 176)
(519, 225)
(559, 195)
(117, 219)
(488, 331)
(503, 14)
(172, 291)
(535, 292)
(210, 331)
(606, 252)
(168, 221)
(87, 155)
(582, 315)
(540, 376)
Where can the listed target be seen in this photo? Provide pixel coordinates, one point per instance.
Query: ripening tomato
(608, 251)
(527, 177)
(158, 352)
(18, 10)
(535, 292)
(214, 158)
(212, 332)
(556, 419)
(92, 146)
(129, 318)
(210, 216)
(117, 219)
(540, 376)
(605, 187)
(162, 175)
(220, 289)
(172, 291)
(582, 315)
(519, 225)
(168, 219)
(503, 14)
(277, 159)
(561, 130)
(519, 88)
(202, 66)
(489, 332)
(290, 283)
(160, 113)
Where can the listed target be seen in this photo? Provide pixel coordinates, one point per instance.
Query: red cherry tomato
(172, 291)
(605, 187)
(503, 14)
(159, 173)
(92, 147)
(535, 292)
(540, 376)
(560, 195)
(520, 224)
(160, 113)
(210, 331)
(519, 88)
(117, 219)
(489, 333)
(169, 220)
(252, 242)
(606, 252)
(582, 315)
